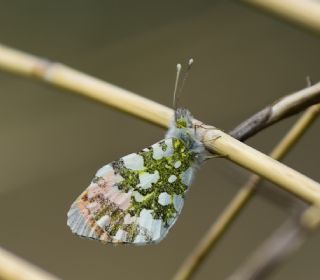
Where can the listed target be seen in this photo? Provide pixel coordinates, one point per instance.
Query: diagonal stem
(215, 232)
(287, 239)
(303, 13)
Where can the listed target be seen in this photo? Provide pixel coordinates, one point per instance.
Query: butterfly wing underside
(137, 198)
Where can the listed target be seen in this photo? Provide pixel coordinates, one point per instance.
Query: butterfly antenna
(176, 87)
(185, 75)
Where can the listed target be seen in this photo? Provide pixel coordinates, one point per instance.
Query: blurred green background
(52, 142)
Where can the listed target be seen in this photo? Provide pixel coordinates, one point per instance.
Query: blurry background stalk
(14, 268)
(305, 13)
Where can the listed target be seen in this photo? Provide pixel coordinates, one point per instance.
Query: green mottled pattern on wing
(165, 167)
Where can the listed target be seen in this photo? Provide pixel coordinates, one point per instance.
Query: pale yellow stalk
(302, 12)
(15, 268)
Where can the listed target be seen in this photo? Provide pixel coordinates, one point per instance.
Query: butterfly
(138, 198)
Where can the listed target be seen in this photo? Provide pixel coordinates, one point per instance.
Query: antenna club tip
(191, 61)
(178, 66)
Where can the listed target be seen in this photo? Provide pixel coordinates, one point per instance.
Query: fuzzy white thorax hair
(182, 128)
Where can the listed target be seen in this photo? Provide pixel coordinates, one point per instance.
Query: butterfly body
(138, 198)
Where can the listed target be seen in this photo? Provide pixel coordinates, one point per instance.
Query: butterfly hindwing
(137, 198)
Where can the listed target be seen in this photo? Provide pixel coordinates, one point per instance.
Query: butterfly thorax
(183, 128)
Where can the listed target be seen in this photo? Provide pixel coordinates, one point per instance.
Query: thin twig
(283, 108)
(277, 248)
(215, 232)
(15, 268)
(304, 13)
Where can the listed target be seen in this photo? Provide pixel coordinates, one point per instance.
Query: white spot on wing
(152, 226)
(164, 199)
(172, 178)
(145, 219)
(177, 164)
(156, 229)
(147, 179)
(137, 196)
(103, 221)
(178, 202)
(121, 235)
(187, 176)
(140, 239)
(133, 162)
(104, 170)
(169, 150)
(157, 151)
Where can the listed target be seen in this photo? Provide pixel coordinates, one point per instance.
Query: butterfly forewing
(137, 198)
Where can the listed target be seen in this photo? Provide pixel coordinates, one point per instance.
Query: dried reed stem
(215, 232)
(279, 110)
(77, 82)
(15, 268)
(259, 163)
(301, 12)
